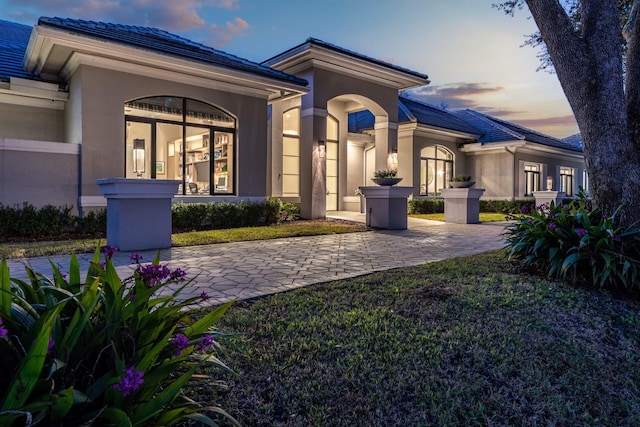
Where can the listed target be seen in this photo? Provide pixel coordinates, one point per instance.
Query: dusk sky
(471, 52)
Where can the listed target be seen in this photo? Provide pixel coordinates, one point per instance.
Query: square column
(462, 205)
(138, 212)
(386, 206)
(546, 197)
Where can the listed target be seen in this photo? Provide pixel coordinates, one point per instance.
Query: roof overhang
(520, 146)
(420, 129)
(56, 54)
(311, 55)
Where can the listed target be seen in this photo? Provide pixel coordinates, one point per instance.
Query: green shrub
(504, 206)
(426, 206)
(102, 351)
(576, 243)
(93, 222)
(29, 221)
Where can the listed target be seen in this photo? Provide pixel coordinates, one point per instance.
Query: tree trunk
(589, 67)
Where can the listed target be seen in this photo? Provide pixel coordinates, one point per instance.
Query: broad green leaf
(116, 416)
(61, 404)
(27, 375)
(208, 320)
(5, 287)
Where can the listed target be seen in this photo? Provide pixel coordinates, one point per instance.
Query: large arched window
(436, 169)
(183, 139)
(291, 153)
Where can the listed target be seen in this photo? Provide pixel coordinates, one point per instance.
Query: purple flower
(524, 209)
(103, 265)
(617, 239)
(3, 330)
(178, 275)
(109, 251)
(135, 257)
(565, 208)
(52, 343)
(205, 342)
(180, 342)
(153, 274)
(529, 222)
(132, 297)
(581, 232)
(131, 382)
(552, 226)
(552, 215)
(205, 296)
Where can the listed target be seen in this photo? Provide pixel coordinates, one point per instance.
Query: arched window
(291, 153)
(436, 169)
(183, 139)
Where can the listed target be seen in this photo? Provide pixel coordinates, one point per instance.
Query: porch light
(321, 148)
(138, 157)
(549, 183)
(393, 158)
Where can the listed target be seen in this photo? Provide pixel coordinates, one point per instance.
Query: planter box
(386, 206)
(138, 212)
(462, 205)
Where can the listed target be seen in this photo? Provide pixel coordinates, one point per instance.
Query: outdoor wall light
(393, 158)
(321, 148)
(549, 183)
(138, 157)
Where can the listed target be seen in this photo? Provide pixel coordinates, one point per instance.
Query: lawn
(468, 341)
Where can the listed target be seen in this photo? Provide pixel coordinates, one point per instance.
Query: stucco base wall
(41, 173)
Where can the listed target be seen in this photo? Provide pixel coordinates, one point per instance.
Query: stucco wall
(40, 173)
(31, 123)
(493, 172)
(102, 94)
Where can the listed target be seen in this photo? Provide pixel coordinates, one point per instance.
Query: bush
(576, 243)
(102, 352)
(426, 206)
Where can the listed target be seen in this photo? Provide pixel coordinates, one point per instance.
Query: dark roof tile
(14, 39)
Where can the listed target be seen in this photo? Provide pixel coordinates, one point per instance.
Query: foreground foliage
(102, 351)
(577, 243)
(468, 341)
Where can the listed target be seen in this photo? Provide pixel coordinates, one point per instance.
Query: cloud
(456, 96)
(221, 36)
(184, 16)
(548, 121)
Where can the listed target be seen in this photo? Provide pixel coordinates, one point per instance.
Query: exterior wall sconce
(138, 157)
(321, 148)
(393, 158)
(549, 183)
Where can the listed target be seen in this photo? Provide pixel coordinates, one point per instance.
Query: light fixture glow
(138, 157)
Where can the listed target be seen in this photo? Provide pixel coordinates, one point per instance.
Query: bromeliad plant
(576, 243)
(103, 351)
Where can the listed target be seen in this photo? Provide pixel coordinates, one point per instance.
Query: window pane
(157, 107)
(291, 122)
(332, 129)
(199, 112)
(223, 162)
(290, 165)
(428, 152)
(138, 150)
(291, 146)
(332, 150)
(332, 168)
(290, 185)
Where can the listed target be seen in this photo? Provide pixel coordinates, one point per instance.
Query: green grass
(484, 216)
(468, 341)
(292, 229)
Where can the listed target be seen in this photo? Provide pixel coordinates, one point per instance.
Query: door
(332, 176)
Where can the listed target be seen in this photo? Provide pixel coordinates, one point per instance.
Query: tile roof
(317, 42)
(411, 110)
(163, 42)
(14, 38)
(496, 130)
(575, 140)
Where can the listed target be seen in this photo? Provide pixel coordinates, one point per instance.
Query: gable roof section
(410, 110)
(320, 54)
(575, 140)
(163, 42)
(14, 39)
(496, 130)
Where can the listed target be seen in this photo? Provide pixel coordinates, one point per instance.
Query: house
(83, 100)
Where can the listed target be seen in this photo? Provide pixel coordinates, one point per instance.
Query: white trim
(25, 145)
(93, 201)
(385, 124)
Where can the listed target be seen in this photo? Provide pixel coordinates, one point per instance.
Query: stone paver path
(250, 269)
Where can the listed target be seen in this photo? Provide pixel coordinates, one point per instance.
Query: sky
(472, 52)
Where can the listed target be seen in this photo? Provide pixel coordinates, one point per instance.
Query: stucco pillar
(386, 134)
(313, 188)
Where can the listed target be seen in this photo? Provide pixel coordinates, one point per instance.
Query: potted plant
(386, 177)
(461, 181)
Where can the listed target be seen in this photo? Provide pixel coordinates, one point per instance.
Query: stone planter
(138, 212)
(461, 184)
(462, 205)
(386, 206)
(386, 181)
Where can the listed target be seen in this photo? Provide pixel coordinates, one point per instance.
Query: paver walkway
(250, 269)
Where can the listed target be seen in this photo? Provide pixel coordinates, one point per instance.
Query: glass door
(332, 176)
